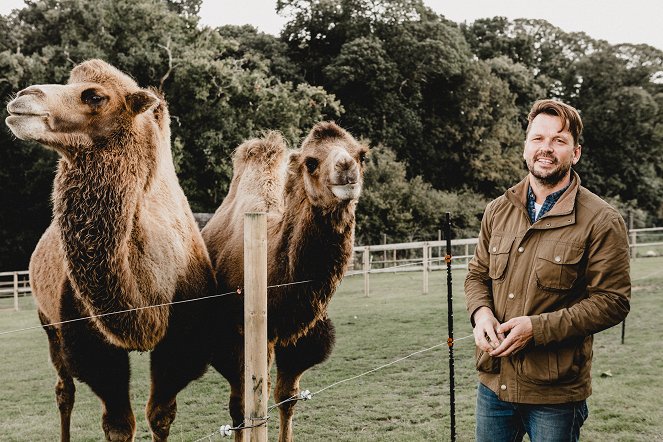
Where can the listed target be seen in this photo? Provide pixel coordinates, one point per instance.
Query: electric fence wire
(305, 395)
(183, 301)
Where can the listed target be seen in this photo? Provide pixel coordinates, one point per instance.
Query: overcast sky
(617, 21)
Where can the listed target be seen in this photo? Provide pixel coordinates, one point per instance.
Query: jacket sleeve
(608, 289)
(477, 283)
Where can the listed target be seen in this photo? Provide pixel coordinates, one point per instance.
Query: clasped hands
(497, 339)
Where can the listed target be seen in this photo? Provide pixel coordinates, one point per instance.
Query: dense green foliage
(409, 209)
(449, 102)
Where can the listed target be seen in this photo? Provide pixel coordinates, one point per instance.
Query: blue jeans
(499, 421)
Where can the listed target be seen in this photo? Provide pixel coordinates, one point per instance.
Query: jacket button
(521, 249)
(494, 249)
(502, 387)
(511, 296)
(558, 259)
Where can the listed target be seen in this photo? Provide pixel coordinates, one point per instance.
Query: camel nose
(347, 171)
(32, 90)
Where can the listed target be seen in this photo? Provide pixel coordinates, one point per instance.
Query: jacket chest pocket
(499, 249)
(557, 265)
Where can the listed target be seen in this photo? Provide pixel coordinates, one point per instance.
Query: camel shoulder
(47, 273)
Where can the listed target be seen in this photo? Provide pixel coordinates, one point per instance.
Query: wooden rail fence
(423, 256)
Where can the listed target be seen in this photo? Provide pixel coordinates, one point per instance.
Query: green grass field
(406, 401)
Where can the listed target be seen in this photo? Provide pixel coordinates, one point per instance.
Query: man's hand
(486, 336)
(519, 334)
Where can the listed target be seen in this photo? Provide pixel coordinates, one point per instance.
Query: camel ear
(140, 101)
(293, 162)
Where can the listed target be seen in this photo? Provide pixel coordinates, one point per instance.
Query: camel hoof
(119, 436)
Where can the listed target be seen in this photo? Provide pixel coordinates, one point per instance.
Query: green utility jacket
(569, 272)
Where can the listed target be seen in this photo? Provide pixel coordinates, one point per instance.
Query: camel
(122, 238)
(310, 196)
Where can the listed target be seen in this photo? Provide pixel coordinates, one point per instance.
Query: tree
(407, 79)
(220, 91)
(409, 209)
(617, 90)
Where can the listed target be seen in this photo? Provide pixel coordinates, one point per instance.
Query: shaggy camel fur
(310, 196)
(123, 237)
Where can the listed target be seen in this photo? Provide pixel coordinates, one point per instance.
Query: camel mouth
(26, 114)
(346, 191)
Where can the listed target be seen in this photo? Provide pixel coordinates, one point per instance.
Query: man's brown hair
(568, 114)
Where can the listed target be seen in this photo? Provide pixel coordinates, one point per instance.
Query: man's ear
(139, 102)
(577, 151)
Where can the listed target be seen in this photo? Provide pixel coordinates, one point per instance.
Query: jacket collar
(562, 213)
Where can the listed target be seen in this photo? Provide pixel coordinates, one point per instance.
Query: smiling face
(550, 150)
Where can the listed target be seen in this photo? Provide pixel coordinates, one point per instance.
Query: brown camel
(310, 196)
(122, 238)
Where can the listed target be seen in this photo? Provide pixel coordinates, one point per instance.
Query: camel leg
(287, 385)
(228, 359)
(171, 372)
(181, 357)
(103, 367)
(291, 362)
(235, 377)
(64, 387)
(236, 406)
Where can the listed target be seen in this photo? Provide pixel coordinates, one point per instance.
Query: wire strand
(385, 365)
(299, 396)
(84, 318)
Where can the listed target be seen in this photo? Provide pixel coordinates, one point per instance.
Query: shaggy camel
(310, 196)
(122, 237)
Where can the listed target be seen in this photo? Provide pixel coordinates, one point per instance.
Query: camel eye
(91, 97)
(311, 164)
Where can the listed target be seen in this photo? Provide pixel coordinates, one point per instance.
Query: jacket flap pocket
(560, 253)
(500, 244)
(557, 264)
(499, 249)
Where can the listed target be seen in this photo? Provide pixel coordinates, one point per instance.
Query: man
(551, 269)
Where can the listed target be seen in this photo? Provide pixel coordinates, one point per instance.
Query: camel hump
(267, 151)
(259, 172)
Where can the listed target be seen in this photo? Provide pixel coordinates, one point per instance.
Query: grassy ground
(406, 401)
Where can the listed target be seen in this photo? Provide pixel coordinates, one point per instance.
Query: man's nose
(547, 146)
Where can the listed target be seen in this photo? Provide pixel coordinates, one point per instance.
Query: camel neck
(97, 200)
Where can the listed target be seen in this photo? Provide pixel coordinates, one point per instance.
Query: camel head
(99, 103)
(331, 165)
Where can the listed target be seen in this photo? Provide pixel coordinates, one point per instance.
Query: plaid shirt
(547, 204)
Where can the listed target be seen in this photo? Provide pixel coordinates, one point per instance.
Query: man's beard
(552, 178)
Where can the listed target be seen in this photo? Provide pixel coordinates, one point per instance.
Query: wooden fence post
(425, 251)
(633, 235)
(366, 260)
(256, 395)
(439, 248)
(16, 291)
(384, 253)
